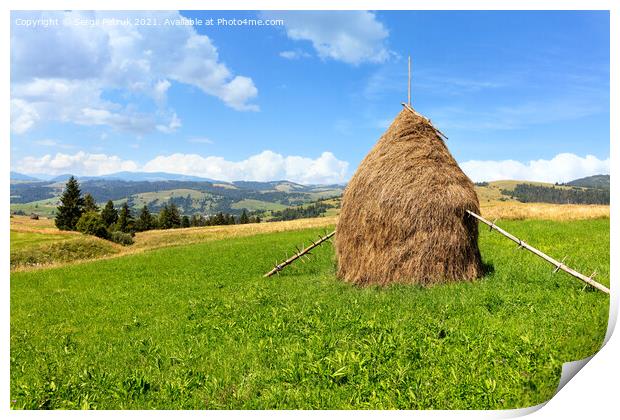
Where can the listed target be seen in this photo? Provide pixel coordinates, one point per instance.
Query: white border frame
(592, 393)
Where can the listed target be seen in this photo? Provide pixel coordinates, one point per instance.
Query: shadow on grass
(487, 269)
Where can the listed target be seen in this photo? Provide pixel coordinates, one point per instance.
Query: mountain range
(191, 194)
(121, 176)
(206, 196)
(594, 181)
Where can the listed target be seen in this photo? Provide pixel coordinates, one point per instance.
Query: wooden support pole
(299, 254)
(409, 82)
(559, 265)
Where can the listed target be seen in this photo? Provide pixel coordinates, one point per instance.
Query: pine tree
(125, 219)
(174, 218)
(145, 220)
(169, 217)
(163, 217)
(90, 204)
(185, 222)
(109, 214)
(70, 209)
(243, 219)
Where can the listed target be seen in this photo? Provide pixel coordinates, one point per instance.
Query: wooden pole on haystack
(408, 104)
(409, 82)
(299, 254)
(559, 265)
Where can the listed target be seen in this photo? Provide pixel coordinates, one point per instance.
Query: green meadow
(198, 327)
(26, 240)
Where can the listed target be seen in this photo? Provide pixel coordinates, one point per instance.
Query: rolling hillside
(196, 196)
(574, 192)
(596, 181)
(191, 196)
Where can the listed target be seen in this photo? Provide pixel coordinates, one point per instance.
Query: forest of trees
(301, 212)
(104, 190)
(528, 193)
(80, 212)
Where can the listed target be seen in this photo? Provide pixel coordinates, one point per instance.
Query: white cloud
(23, 116)
(160, 90)
(265, 166)
(137, 123)
(294, 54)
(563, 167)
(61, 73)
(353, 37)
(81, 163)
(75, 101)
(236, 93)
(325, 169)
(172, 126)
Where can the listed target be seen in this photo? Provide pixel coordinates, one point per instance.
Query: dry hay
(514, 210)
(403, 214)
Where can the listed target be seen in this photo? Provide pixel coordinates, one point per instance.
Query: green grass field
(44, 208)
(197, 327)
(23, 240)
(34, 249)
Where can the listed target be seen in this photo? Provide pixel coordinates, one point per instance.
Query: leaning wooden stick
(299, 254)
(559, 265)
(414, 112)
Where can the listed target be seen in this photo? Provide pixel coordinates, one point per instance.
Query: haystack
(403, 217)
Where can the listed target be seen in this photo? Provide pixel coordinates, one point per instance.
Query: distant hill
(595, 181)
(195, 195)
(590, 190)
(134, 176)
(528, 193)
(60, 178)
(191, 196)
(285, 186)
(152, 176)
(574, 192)
(16, 176)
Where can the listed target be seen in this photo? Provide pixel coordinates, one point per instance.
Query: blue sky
(522, 95)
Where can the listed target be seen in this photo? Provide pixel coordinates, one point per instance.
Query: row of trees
(223, 219)
(81, 213)
(169, 217)
(301, 212)
(527, 193)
